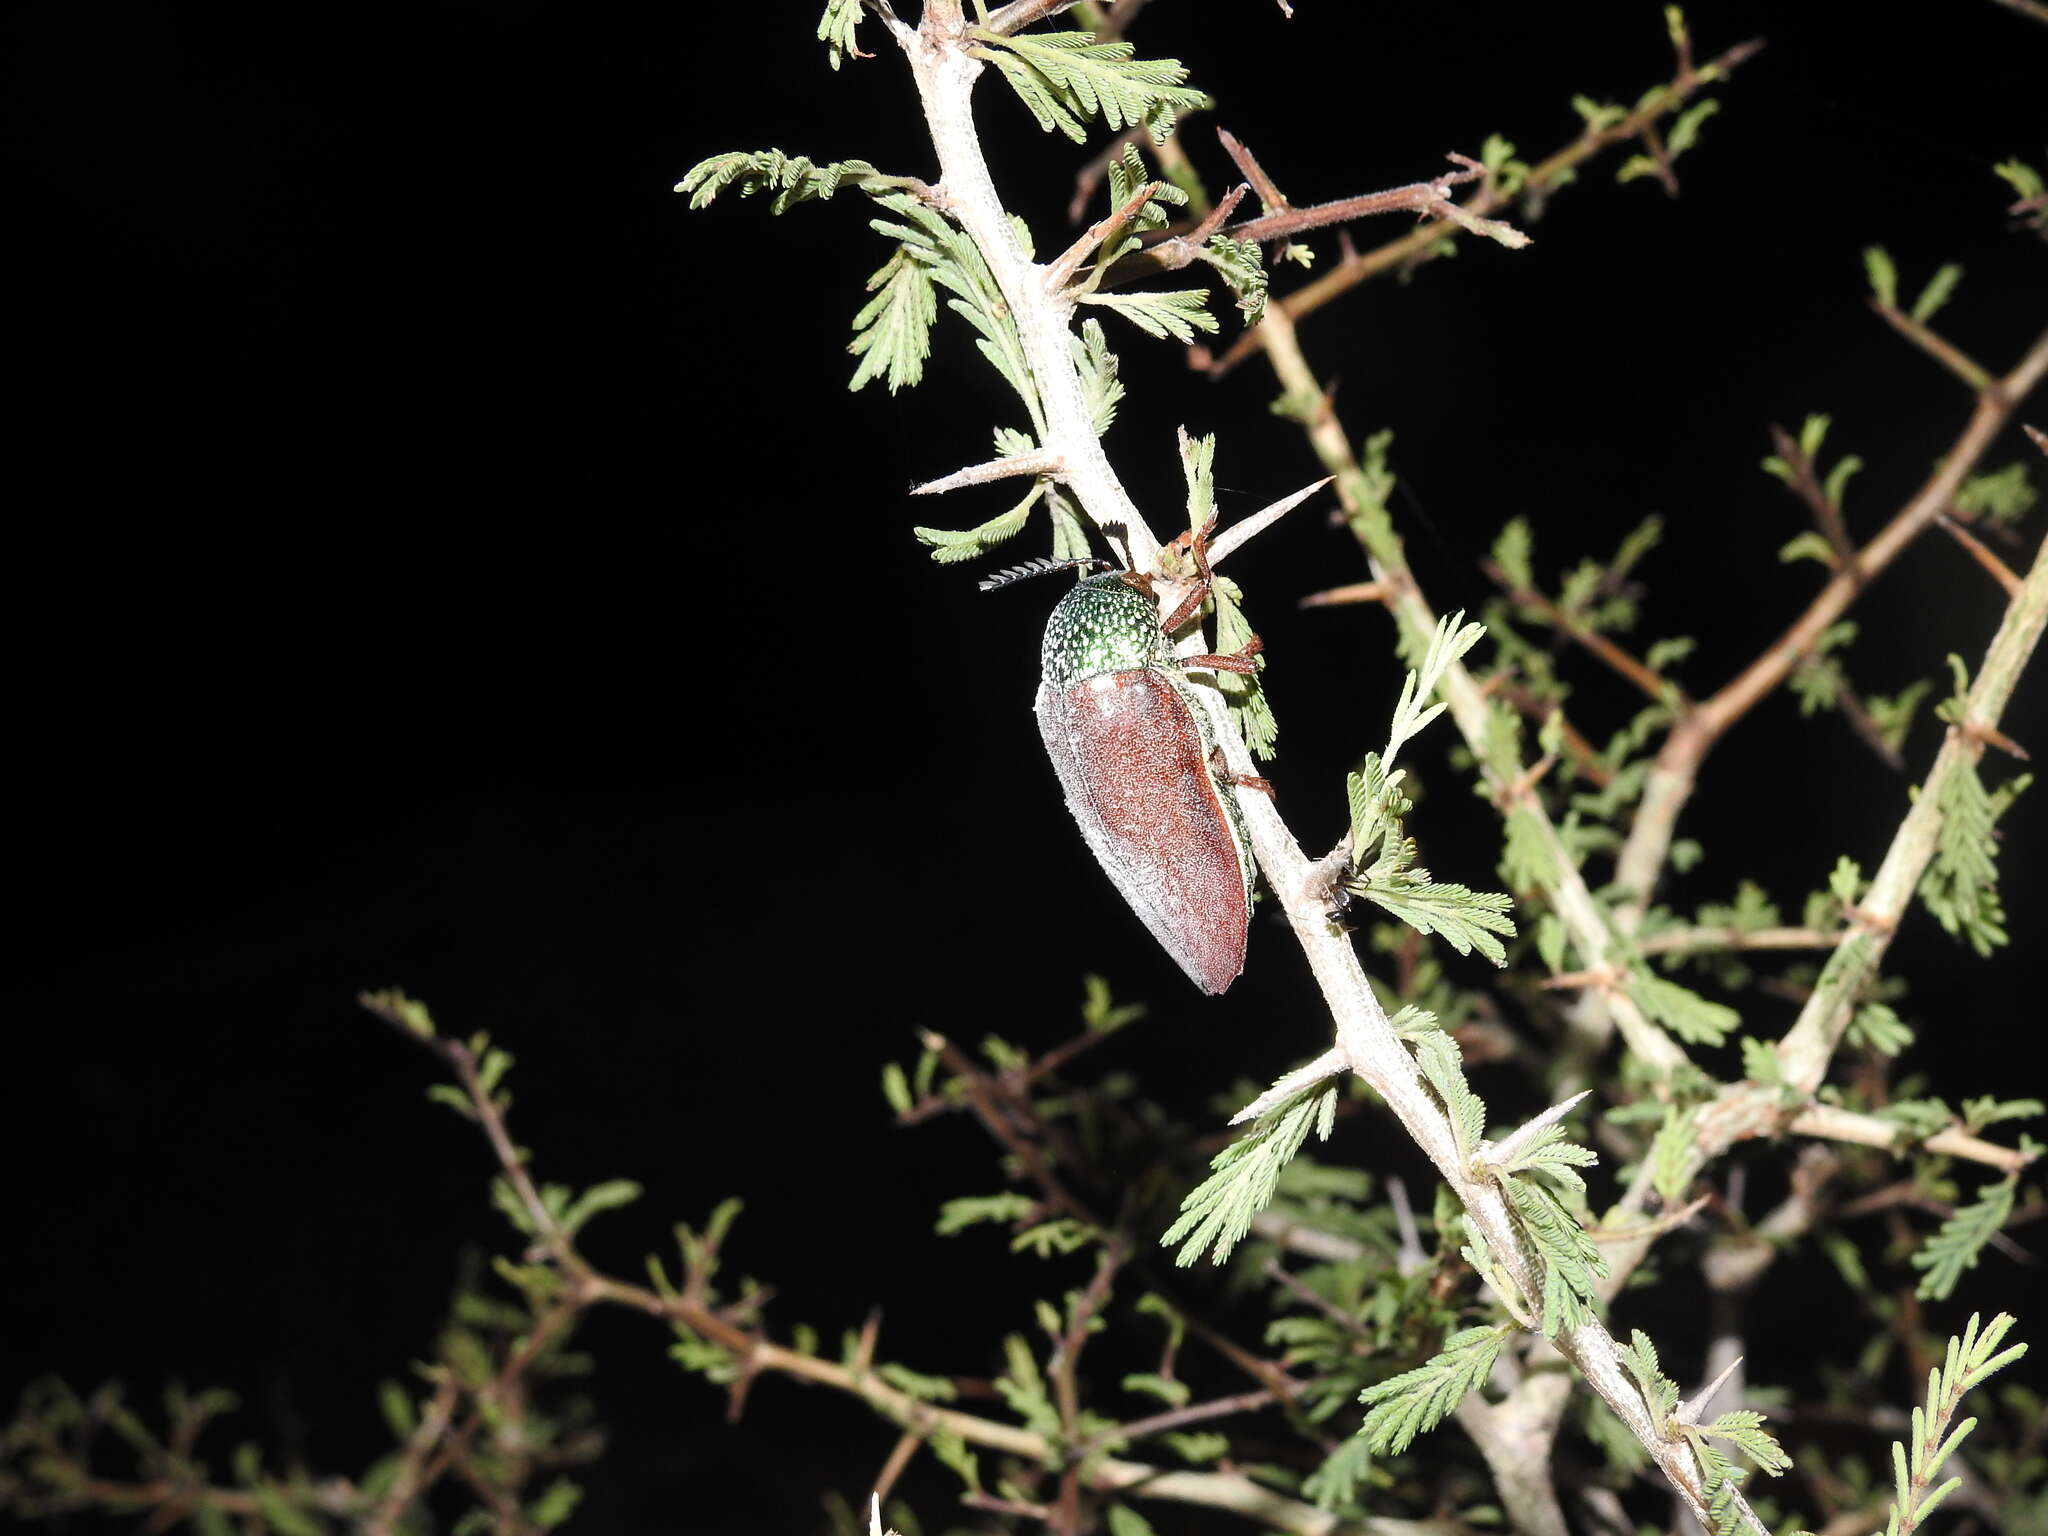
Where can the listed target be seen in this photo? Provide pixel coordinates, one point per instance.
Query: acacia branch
(1583, 916)
(1671, 778)
(1658, 690)
(945, 76)
(1747, 1109)
(1357, 268)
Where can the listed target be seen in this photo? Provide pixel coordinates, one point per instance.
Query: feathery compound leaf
(1126, 175)
(1572, 1262)
(1436, 1053)
(1241, 690)
(792, 178)
(1178, 313)
(1969, 1361)
(1557, 1159)
(1660, 1392)
(1744, 1429)
(1955, 1248)
(1069, 533)
(950, 548)
(1333, 1486)
(836, 30)
(1066, 78)
(1453, 638)
(893, 331)
(1684, 1012)
(955, 264)
(1671, 1165)
(1242, 264)
(1219, 1211)
(1466, 919)
(1404, 1406)
(1098, 369)
(1961, 884)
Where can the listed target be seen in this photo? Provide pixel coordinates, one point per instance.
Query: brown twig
(1271, 198)
(1353, 592)
(2001, 573)
(1060, 271)
(1019, 14)
(1659, 690)
(1944, 352)
(1806, 485)
(408, 1482)
(1688, 939)
(1178, 1418)
(1676, 767)
(1348, 274)
(1585, 760)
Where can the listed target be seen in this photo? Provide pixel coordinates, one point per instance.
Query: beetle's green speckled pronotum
(1136, 756)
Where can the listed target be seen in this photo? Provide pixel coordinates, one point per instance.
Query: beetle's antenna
(1044, 567)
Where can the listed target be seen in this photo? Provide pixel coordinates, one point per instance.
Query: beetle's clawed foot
(1224, 775)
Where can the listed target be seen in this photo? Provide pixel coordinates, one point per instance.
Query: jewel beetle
(1138, 760)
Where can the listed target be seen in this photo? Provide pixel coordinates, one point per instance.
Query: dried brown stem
(1271, 198)
(1689, 939)
(1944, 352)
(1348, 274)
(1353, 592)
(1179, 1418)
(1657, 689)
(1019, 14)
(2001, 573)
(1063, 267)
(1806, 485)
(1676, 768)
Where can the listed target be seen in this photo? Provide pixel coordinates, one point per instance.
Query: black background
(440, 559)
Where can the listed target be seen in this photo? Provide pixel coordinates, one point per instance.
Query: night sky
(439, 559)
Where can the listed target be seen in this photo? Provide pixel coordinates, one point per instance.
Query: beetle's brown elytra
(1136, 757)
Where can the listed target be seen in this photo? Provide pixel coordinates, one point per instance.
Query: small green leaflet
(1404, 1406)
(1178, 313)
(1219, 1211)
(1098, 369)
(1066, 78)
(1969, 1361)
(1961, 1239)
(792, 178)
(835, 31)
(955, 264)
(1961, 884)
(893, 332)
(948, 547)
(1681, 1010)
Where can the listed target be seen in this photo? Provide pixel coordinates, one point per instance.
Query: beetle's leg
(1196, 542)
(1189, 605)
(1236, 661)
(1198, 547)
(1222, 774)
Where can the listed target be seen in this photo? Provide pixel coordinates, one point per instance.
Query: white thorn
(1329, 1064)
(1258, 522)
(1039, 463)
(1689, 1412)
(1500, 1154)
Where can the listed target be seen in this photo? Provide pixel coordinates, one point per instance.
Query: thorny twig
(944, 74)
(1357, 268)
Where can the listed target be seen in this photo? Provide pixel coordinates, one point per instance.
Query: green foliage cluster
(1376, 1320)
